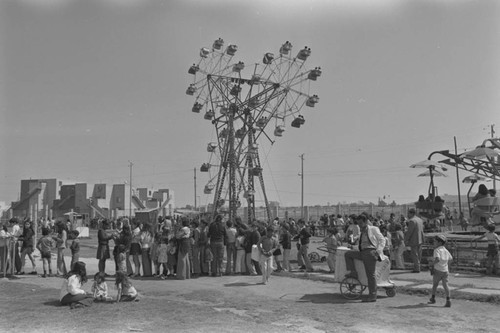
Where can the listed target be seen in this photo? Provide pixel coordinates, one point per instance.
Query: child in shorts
(44, 245)
(440, 272)
(492, 254)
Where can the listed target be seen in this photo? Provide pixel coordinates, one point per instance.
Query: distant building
(36, 199)
(48, 198)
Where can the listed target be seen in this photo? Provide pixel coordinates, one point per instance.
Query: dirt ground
(232, 304)
(235, 304)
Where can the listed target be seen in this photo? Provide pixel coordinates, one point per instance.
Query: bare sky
(86, 86)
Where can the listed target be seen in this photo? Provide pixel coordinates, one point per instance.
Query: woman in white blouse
(71, 291)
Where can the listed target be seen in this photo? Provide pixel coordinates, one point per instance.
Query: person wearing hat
(414, 238)
(440, 269)
(371, 250)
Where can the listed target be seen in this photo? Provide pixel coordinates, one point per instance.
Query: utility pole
(195, 189)
(492, 131)
(301, 174)
(130, 191)
(458, 178)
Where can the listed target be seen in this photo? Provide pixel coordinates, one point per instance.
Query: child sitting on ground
(126, 291)
(492, 254)
(440, 272)
(331, 242)
(44, 245)
(100, 288)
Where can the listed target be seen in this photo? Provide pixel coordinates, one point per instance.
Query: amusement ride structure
(244, 110)
(483, 162)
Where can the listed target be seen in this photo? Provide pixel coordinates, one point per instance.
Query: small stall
(352, 288)
(148, 216)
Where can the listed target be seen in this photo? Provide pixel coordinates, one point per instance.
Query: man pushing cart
(371, 267)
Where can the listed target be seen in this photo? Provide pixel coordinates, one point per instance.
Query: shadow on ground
(240, 284)
(325, 298)
(413, 306)
(53, 302)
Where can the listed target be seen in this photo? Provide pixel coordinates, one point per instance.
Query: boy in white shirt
(440, 270)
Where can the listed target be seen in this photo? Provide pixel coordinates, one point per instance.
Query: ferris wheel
(244, 110)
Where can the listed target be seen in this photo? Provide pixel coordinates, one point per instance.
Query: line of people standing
(188, 248)
(22, 245)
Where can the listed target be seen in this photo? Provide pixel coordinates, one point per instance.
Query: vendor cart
(352, 288)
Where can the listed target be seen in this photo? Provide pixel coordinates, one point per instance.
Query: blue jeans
(303, 257)
(231, 257)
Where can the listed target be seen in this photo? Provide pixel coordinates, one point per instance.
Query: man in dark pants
(414, 238)
(217, 239)
(371, 249)
(303, 237)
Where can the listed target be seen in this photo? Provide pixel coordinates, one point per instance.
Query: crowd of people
(186, 248)
(19, 243)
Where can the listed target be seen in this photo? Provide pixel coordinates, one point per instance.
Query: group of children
(125, 289)
(163, 256)
(126, 292)
(72, 292)
(48, 242)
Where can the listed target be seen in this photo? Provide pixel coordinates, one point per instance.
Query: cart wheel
(351, 288)
(314, 257)
(391, 292)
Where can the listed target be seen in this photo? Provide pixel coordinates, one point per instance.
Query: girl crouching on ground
(126, 291)
(71, 291)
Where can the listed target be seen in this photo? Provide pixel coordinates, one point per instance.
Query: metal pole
(458, 178)
(493, 136)
(130, 191)
(195, 189)
(302, 185)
